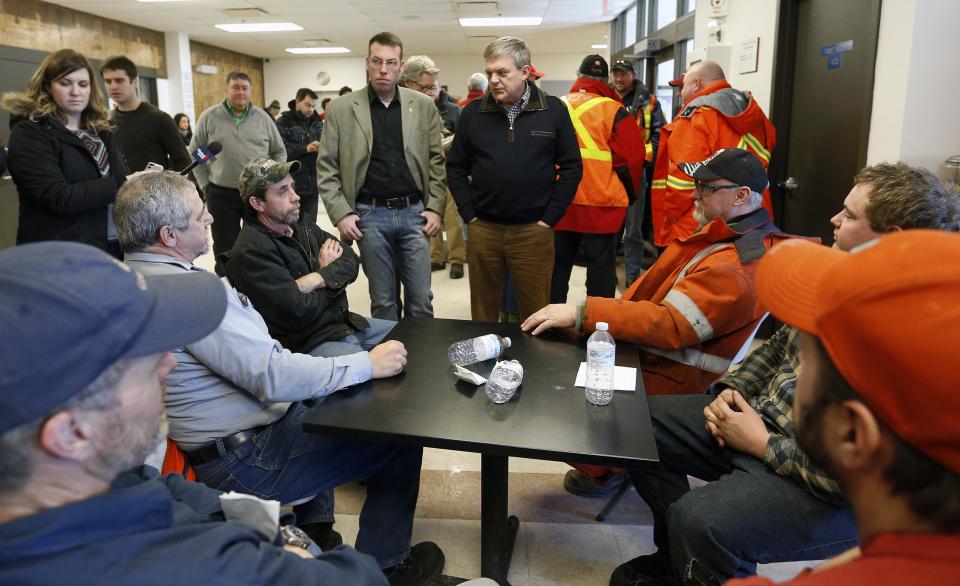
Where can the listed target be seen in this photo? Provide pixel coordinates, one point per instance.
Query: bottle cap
(506, 343)
(602, 326)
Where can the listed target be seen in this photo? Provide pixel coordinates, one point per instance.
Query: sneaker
(323, 535)
(578, 483)
(646, 570)
(456, 271)
(423, 565)
(437, 266)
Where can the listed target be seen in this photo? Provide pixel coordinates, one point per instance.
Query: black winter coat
(298, 131)
(265, 267)
(62, 195)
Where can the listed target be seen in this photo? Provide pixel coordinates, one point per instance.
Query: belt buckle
(395, 203)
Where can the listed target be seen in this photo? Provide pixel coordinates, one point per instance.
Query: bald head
(698, 76)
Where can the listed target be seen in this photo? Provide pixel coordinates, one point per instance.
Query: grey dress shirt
(238, 377)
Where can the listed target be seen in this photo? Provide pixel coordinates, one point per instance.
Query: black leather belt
(219, 448)
(392, 203)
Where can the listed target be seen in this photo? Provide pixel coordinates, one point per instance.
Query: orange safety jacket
(645, 121)
(593, 119)
(692, 311)
(717, 117)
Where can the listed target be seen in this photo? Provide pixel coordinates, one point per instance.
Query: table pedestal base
(498, 532)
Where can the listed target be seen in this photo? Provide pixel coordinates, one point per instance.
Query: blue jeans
(357, 341)
(285, 464)
(746, 515)
(393, 245)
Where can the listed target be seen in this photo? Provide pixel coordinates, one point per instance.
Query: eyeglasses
(424, 89)
(378, 63)
(711, 189)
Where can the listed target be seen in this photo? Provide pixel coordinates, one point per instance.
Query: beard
(809, 431)
(698, 214)
(122, 444)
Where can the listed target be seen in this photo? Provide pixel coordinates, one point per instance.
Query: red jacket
(890, 559)
(471, 96)
(611, 146)
(692, 311)
(717, 117)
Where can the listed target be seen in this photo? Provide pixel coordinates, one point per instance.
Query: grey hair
(511, 47)
(416, 66)
(478, 81)
(17, 444)
(755, 200)
(148, 202)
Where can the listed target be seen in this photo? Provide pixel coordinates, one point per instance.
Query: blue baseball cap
(69, 311)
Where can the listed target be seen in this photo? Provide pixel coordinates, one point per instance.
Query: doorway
(822, 102)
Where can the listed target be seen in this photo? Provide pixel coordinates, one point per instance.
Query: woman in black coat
(63, 156)
(183, 125)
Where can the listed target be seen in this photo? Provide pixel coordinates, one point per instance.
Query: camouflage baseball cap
(261, 173)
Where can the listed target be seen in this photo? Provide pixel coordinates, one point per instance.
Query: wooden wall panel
(208, 89)
(31, 24)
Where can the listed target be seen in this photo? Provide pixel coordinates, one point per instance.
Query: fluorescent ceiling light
(598, 46)
(259, 27)
(316, 50)
(503, 21)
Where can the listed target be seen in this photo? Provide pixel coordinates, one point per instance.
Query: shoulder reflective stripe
(659, 184)
(590, 150)
(700, 256)
(689, 309)
(693, 357)
(678, 183)
(757, 146)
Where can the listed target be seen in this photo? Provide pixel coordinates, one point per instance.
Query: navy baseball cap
(69, 311)
(736, 165)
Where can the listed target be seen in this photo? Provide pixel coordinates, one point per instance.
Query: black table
(427, 405)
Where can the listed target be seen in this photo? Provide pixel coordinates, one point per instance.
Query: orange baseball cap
(888, 316)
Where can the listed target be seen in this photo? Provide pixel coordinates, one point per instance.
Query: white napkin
(259, 514)
(468, 375)
(624, 377)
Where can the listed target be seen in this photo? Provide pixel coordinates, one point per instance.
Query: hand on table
(388, 359)
(735, 424)
(557, 315)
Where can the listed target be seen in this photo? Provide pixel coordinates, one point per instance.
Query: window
(666, 12)
(691, 6)
(664, 91)
(631, 26)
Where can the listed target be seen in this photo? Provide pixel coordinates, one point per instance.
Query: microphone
(204, 156)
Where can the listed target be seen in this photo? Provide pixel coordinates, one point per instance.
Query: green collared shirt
(238, 118)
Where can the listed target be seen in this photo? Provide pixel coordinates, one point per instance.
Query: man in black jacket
(514, 167)
(296, 274)
(300, 128)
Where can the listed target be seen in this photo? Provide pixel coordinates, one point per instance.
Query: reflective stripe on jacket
(691, 312)
(718, 117)
(593, 119)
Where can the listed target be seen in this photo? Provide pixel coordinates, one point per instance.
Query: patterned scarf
(101, 157)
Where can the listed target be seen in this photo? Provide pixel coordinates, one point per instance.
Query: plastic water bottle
(477, 349)
(601, 354)
(504, 380)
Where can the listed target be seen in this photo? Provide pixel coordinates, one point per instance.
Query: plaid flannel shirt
(767, 379)
(514, 110)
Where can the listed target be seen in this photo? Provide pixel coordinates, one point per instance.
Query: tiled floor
(559, 541)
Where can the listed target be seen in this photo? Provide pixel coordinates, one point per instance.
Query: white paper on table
(624, 377)
(467, 375)
(260, 514)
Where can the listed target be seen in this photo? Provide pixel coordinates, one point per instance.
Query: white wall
(283, 77)
(917, 86)
(745, 20)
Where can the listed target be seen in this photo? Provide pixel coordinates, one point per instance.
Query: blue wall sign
(834, 53)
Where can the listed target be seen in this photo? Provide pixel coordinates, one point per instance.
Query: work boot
(423, 565)
(456, 270)
(646, 570)
(578, 483)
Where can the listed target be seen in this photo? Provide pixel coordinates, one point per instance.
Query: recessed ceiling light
(316, 50)
(598, 46)
(259, 27)
(503, 21)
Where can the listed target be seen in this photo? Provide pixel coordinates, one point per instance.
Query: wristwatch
(293, 535)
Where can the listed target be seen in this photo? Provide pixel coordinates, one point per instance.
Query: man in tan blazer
(381, 176)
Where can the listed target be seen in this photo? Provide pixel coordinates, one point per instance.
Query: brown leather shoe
(456, 270)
